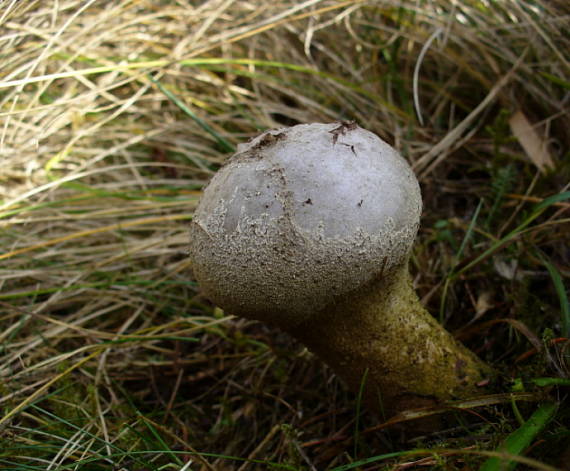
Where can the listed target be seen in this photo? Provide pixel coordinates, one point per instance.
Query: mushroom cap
(300, 216)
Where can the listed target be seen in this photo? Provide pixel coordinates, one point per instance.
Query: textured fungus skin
(300, 216)
(310, 229)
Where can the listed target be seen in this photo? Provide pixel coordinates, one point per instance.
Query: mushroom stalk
(310, 229)
(381, 337)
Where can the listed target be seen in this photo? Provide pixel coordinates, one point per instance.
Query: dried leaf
(484, 303)
(508, 269)
(533, 144)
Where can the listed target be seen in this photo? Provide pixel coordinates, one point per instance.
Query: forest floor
(113, 117)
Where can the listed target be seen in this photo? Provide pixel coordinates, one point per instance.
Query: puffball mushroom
(310, 229)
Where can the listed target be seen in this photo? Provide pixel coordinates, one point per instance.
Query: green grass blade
(159, 440)
(450, 275)
(358, 409)
(470, 230)
(537, 211)
(372, 459)
(546, 382)
(520, 439)
(142, 461)
(226, 145)
(519, 384)
(557, 80)
(562, 296)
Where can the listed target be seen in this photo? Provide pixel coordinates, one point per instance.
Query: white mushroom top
(300, 216)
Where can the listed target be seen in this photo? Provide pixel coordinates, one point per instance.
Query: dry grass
(113, 115)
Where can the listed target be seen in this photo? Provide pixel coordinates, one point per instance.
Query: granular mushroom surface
(301, 215)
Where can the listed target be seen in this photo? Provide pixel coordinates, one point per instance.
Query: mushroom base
(381, 336)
